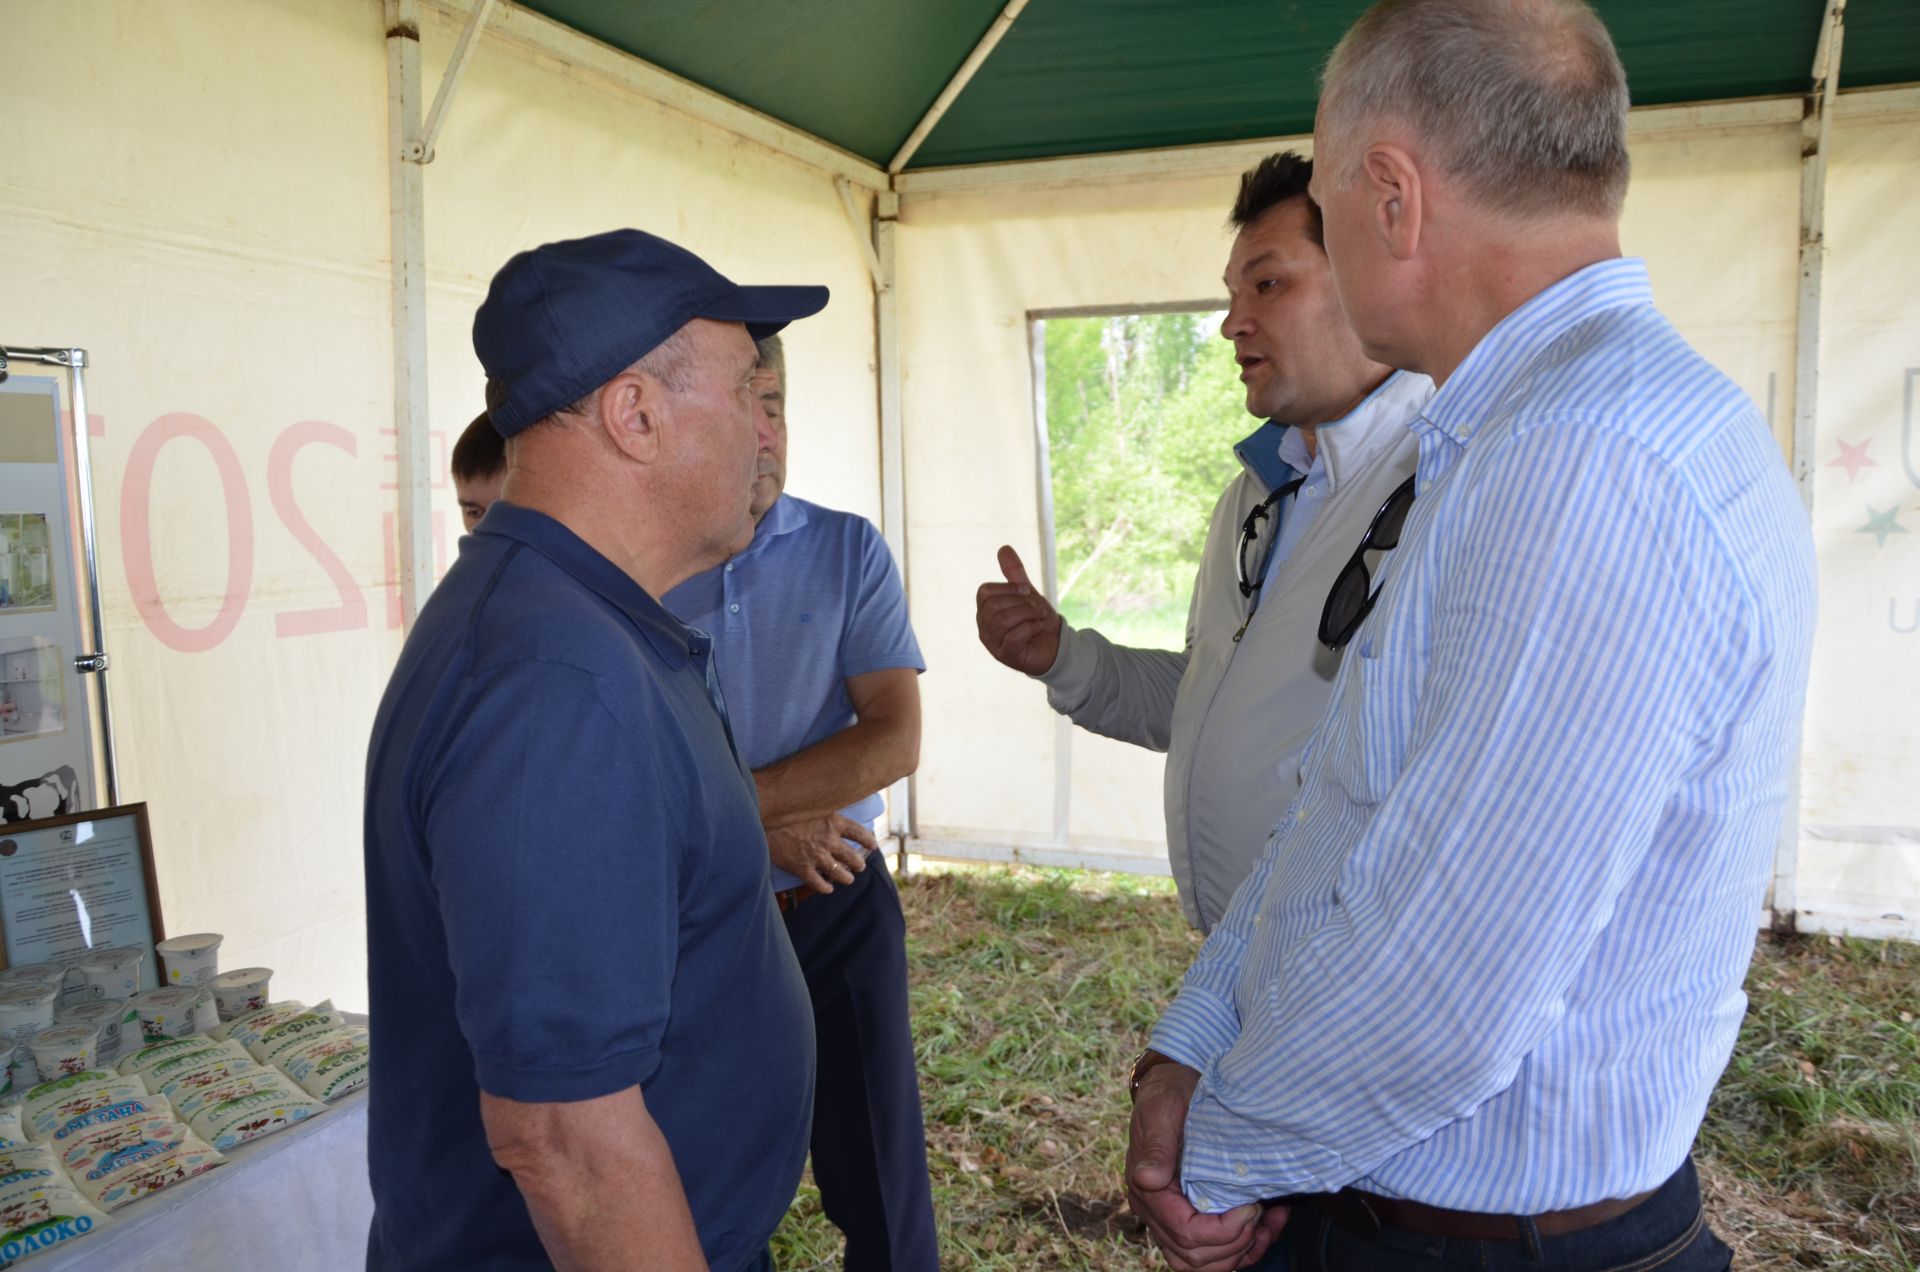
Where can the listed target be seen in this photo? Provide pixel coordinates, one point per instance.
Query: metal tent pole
(407, 235)
(1816, 127)
(94, 662)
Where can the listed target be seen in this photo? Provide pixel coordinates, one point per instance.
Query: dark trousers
(869, 1144)
(1665, 1233)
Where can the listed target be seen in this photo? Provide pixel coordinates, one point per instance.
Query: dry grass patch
(1032, 990)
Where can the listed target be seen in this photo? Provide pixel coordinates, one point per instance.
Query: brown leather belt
(1363, 1214)
(788, 898)
(792, 897)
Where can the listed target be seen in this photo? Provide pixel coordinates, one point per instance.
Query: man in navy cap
(594, 1046)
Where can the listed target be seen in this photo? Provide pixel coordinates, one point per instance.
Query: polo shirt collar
(787, 515)
(670, 638)
(1478, 385)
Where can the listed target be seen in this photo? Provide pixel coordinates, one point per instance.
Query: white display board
(46, 726)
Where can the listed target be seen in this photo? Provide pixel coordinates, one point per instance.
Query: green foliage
(1142, 414)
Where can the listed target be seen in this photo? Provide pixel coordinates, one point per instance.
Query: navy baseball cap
(563, 319)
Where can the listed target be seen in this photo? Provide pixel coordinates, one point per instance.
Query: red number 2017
(351, 613)
(136, 521)
(136, 530)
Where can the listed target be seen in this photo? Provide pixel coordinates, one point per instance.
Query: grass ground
(1032, 991)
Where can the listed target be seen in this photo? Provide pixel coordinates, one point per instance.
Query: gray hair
(1524, 101)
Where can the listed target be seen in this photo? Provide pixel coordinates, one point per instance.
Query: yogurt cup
(112, 972)
(65, 1049)
(206, 1012)
(106, 1015)
(62, 972)
(191, 960)
(241, 991)
(165, 1013)
(26, 1009)
(35, 973)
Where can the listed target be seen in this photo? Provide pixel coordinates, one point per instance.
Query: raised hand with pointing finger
(1016, 623)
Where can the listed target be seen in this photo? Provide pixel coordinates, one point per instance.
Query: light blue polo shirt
(812, 601)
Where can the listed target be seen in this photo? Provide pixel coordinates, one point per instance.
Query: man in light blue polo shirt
(819, 666)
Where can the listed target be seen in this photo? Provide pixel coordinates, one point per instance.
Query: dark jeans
(1665, 1233)
(869, 1146)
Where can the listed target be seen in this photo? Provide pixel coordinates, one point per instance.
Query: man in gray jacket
(1234, 710)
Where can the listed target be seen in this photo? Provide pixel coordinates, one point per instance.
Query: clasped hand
(1192, 1241)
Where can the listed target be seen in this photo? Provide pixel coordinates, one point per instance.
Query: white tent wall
(1860, 846)
(1714, 209)
(198, 195)
(972, 268)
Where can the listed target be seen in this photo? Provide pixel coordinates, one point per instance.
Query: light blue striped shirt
(1492, 957)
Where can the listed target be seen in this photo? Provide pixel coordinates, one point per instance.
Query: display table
(293, 1201)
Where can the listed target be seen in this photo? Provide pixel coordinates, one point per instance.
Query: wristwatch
(1142, 1065)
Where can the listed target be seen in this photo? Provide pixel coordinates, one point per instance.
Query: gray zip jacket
(1235, 710)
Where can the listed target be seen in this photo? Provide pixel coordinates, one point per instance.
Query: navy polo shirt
(813, 600)
(567, 895)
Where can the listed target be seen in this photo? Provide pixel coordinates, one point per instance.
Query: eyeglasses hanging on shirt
(1353, 594)
(1249, 535)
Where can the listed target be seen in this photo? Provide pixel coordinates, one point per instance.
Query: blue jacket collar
(1259, 453)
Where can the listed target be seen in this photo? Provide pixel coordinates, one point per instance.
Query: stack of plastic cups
(25, 1009)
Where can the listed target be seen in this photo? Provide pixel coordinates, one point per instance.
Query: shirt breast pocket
(1372, 715)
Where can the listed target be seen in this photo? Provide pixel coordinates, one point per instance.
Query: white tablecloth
(294, 1201)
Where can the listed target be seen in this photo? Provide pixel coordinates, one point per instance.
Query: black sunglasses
(1352, 597)
(1250, 534)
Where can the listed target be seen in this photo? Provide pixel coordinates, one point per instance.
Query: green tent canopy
(1078, 77)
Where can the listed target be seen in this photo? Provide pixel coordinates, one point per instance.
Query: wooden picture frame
(80, 881)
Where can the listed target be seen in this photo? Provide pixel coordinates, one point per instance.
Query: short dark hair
(481, 452)
(1277, 179)
(768, 355)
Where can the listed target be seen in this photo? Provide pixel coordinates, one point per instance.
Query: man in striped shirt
(1468, 1010)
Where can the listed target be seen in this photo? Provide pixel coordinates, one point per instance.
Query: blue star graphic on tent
(1881, 524)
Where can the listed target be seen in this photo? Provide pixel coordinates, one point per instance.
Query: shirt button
(734, 608)
(729, 567)
(1299, 814)
(1240, 1170)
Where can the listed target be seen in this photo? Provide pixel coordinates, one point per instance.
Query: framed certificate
(79, 882)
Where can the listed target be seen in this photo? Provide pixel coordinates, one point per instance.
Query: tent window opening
(1140, 414)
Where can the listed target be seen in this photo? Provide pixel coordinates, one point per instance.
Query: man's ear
(1396, 195)
(632, 411)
